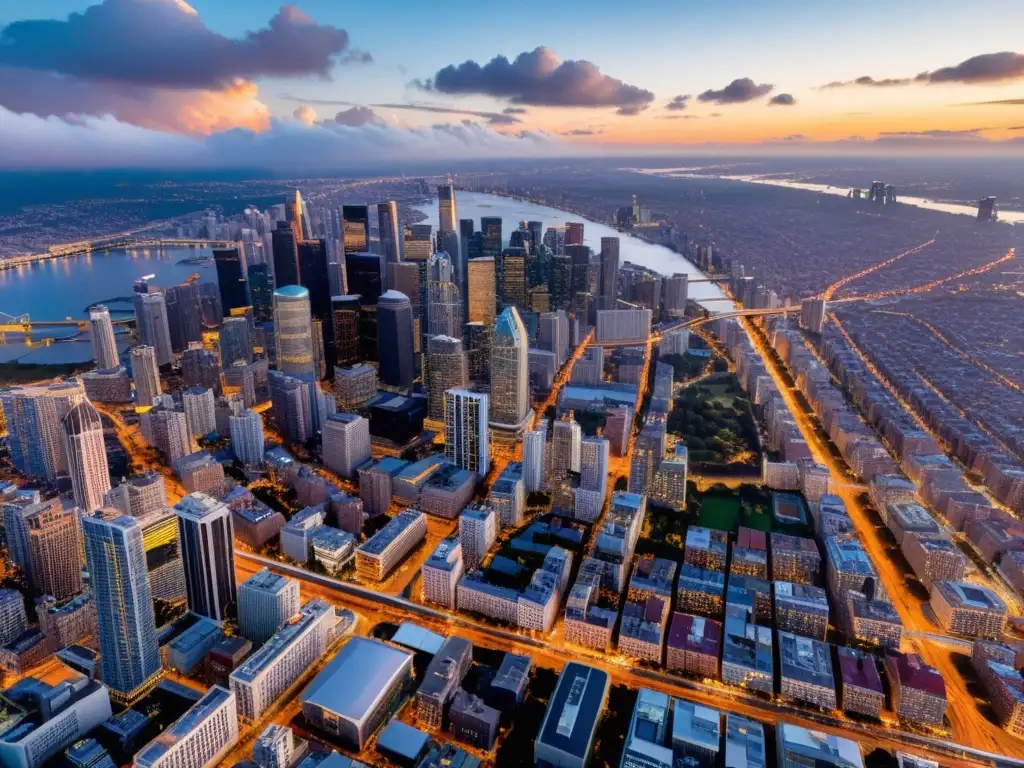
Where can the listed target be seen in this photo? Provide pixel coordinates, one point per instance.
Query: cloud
(795, 137)
(631, 111)
(782, 100)
(986, 68)
(357, 116)
(305, 114)
(737, 92)
(538, 78)
(678, 117)
(582, 132)
(867, 81)
(164, 44)
(513, 111)
(493, 118)
(1000, 102)
(969, 134)
(678, 103)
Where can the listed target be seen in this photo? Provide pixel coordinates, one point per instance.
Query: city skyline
(779, 79)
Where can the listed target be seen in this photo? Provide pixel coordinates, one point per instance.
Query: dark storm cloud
(782, 100)
(737, 92)
(986, 68)
(678, 103)
(868, 82)
(164, 44)
(538, 78)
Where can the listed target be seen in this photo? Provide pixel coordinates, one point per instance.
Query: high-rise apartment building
(466, 442)
(446, 369)
(293, 332)
(395, 340)
(167, 431)
(201, 368)
(116, 560)
(534, 458)
(481, 292)
(812, 314)
(442, 571)
(510, 373)
(648, 452)
(609, 270)
(593, 463)
(138, 495)
(292, 402)
(101, 333)
(565, 448)
(247, 437)
(198, 404)
(232, 279)
(478, 528)
(53, 551)
(266, 601)
(145, 374)
(446, 207)
(34, 432)
(346, 443)
(387, 227)
(152, 325)
(235, 342)
(87, 456)
(206, 535)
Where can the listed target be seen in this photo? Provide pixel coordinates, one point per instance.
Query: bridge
(116, 243)
(23, 325)
(694, 322)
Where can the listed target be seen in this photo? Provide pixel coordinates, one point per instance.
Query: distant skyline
(227, 83)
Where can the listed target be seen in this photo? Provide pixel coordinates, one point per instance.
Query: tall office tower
(54, 552)
(33, 416)
(167, 431)
(207, 551)
(609, 269)
(554, 239)
(366, 276)
(465, 430)
(247, 437)
(812, 314)
(232, 279)
(286, 255)
(560, 282)
(448, 243)
(513, 277)
(446, 369)
(185, 314)
(477, 341)
(198, 404)
(510, 372)
(535, 457)
(446, 207)
(536, 230)
(566, 439)
(101, 332)
(87, 456)
(293, 332)
(481, 291)
(138, 495)
(266, 601)
(152, 327)
(235, 342)
(579, 255)
(345, 317)
(492, 245)
(573, 233)
(296, 216)
(475, 247)
(163, 556)
(210, 308)
(394, 340)
(387, 225)
(444, 312)
(553, 335)
(201, 368)
(261, 289)
(593, 463)
(116, 559)
(419, 242)
(675, 293)
(12, 615)
(356, 228)
(648, 453)
(313, 275)
(292, 406)
(987, 209)
(466, 231)
(520, 238)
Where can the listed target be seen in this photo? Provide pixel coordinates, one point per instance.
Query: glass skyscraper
(395, 343)
(293, 332)
(510, 372)
(356, 228)
(261, 289)
(116, 558)
(232, 279)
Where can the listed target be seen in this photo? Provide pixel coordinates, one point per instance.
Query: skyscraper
(395, 345)
(247, 437)
(609, 269)
(465, 430)
(513, 279)
(235, 344)
(198, 404)
(232, 279)
(297, 216)
(346, 443)
(365, 276)
(560, 281)
(419, 243)
(116, 560)
(510, 372)
(151, 325)
(87, 456)
(101, 332)
(648, 453)
(293, 332)
(313, 274)
(292, 402)
(266, 601)
(443, 310)
(477, 341)
(565, 448)
(261, 290)
(53, 551)
(446, 369)
(345, 317)
(573, 233)
(286, 255)
(492, 245)
(139, 495)
(185, 314)
(534, 458)
(355, 228)
(387, 225)
(446, 207)
(481, 291)
(206, 535)
(201, 368)
(35, 436)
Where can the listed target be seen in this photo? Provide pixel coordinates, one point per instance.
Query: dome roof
(292, 292)
(393, 295)
(82, 418)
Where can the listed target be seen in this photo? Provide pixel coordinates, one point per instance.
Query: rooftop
(416, 637)
(911, 672)
(267, 581)
(574, 710)
(182, 727)
(859, 669)
(818, 748)
(695, 633)
(962, 594)
(310, 613)
(805, 659)
(386, 535)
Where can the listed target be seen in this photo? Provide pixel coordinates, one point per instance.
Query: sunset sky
(220, 81)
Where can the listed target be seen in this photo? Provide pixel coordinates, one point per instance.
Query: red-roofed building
(751, 538)
(918, 690)
(861, 689)
(693, 645)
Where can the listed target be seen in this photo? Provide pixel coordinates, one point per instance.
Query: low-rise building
(508, 688)
(861, 690)
(747, 652)
(642, 629)
(477, 596)
(379, 555)
(202, 736)
(448, 491)
(442, 678)
(805, 670)
(798, 747)
(744, 743)
(188, 650)
(473, 722)
(569, 728)
(652, 577)
(968, 609)
(696, 734)
(332, 548)
(693, 645)
(750, 554)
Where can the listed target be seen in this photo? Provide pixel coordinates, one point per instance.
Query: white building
(466, 441)
(296, 536)
(534, 465)
(346, 443)
(87, 456)
(593, 466)
(265, 603)
(623, 325)
(200, 416)
(275, 747)
(101, 333)
(478, 528)
(379, 555)
(247, 437)
(441, 573)
(145, 374)
(272, 670)
(508, 496)
(200, 737)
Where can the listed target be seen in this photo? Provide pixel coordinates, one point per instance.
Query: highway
(375, 607)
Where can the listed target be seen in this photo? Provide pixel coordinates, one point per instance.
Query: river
(56, 289)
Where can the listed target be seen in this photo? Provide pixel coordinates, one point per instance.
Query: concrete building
(283, 659)
(12, 615)
(648, 732)
(378, 556)
(700, 591)
(747, 652)
(616, 325)
(101, 335)
(642, 629)
(466, 437)
(508, 688)
(188, 650)
(346, 443)
(34, 433)
(693, 645)
(801, 609)
(354, 386)
(266, 601)
(446, 368)
(805, 671)
(934, 559)
(441, 572)
(297, 535)
(247, 441)
(275, 747)
(478, 528)
(86, 455)
(441, 680)
(473, 722)
(108, 385)
(200, 737)
(873, 622)
(508, 496)
(198, 404)
(200, 472)
(968, 609)
(569, 728)
(798, 747)
(744, 743)
(918, 690)
(448, 491)
(206, 535)
(54, 547)
(861, 690)
(706, 548)
(376, 484)
(795, 559)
